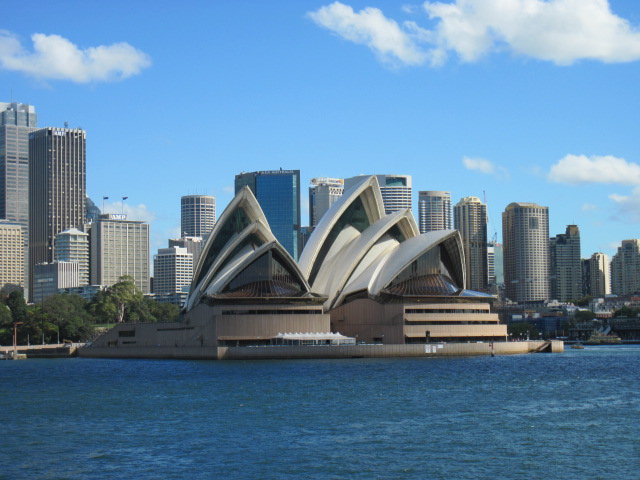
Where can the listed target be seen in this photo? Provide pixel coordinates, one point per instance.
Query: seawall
(324, 351)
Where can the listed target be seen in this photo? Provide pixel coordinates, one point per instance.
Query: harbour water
(565, 416)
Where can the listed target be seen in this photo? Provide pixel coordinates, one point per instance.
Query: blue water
(570, 416)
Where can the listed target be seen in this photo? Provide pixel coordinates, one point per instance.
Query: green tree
(64, 315)
(583, 316)
(101, 308)
(520, 329)
(125, 296)
(6, 325)
(17, 305)
(162, 312)
(626, 312)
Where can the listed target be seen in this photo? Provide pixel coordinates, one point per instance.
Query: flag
(105, 198)
(124, 198)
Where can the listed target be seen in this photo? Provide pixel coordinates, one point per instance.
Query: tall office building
(57, 188)
(599, 275)
(192, 244)
(72, 245)
(434, 210)
(198, 215)
(322, 194)
(119, 247)
(172, 271)
(566, 269)
(17, 120)
(278, 193)
(396, 190)
(11, 255)
(525, 234)
(625, 268)
(470, 219)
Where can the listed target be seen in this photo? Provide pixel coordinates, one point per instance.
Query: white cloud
(580, 169)
(134, 212)
(559, 31)
(56, 58)
(590, 207)
(388, 40)
(229, 189)
(484, 166)
(627, 207)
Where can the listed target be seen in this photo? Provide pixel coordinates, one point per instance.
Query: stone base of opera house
(323, 351)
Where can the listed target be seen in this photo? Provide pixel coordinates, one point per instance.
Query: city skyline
(510, 122)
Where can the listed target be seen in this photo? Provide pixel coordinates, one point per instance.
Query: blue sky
(516, 100)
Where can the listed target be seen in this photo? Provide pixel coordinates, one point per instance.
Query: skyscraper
(119, 247)
(396, 190)
(322, 194)
(278, 193)
(525, 233)
(599, 275)
(625, 268)
(57, 188)
(72, 245)
(434, 210)
(566, 270)
(17, 120)
(470, 219)
(198, 215)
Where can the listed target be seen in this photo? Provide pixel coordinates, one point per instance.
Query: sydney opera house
(363, 277)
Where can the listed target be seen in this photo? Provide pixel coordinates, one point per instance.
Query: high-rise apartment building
(470, 219)
(172, 271)
(11, 255)
(72, 245)
(322, 194)
(525, 234)
(198, 215)
(119, 247)
(566, 269)
(599, 275)
(625, 268)
(57, 188)
(396, 190)
(278, 193)
(434, 210)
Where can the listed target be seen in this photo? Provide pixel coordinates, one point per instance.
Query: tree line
(70, 317)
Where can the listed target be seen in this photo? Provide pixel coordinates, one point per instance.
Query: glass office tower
(278, 193)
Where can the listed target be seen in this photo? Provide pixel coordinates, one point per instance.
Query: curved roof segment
(356, 250)
(243, 258)
(357, 209)
(427, 264)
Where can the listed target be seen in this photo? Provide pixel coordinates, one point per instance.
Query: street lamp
(15, 339)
